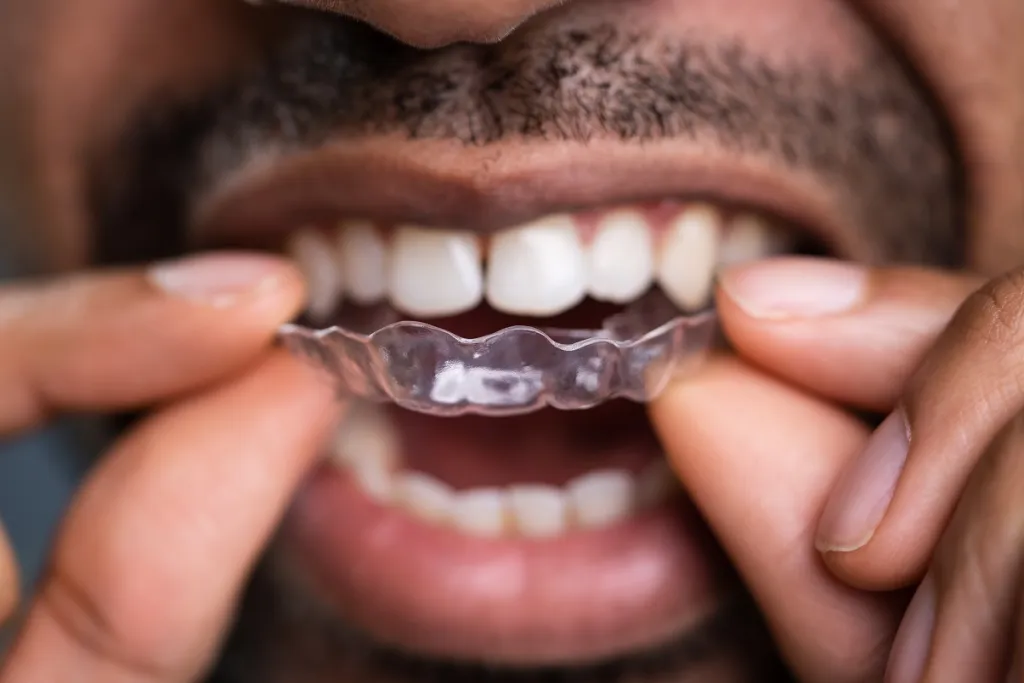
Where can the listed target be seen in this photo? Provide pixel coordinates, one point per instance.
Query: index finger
(118, 340)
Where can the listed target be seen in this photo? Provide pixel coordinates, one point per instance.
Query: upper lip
(487, 189)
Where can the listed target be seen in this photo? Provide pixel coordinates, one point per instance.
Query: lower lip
(587, 596)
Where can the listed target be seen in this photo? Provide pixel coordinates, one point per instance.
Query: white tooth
(435, 272)
(689, 255)
(538, 269)
(377, 482)
(318, 261)
(538, 511)
(480, 512)
(750, 237)
(621, 258)
(367, 444)
(602, 498)
(364, 258)
(367, 435)
(655, 484)
(425, 496)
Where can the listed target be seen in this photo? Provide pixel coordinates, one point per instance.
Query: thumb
(759, 458)
(847, 332)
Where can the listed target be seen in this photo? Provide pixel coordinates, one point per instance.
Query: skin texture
(941, 346)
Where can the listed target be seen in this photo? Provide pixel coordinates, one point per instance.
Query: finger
(890, 508)
(156, 547)
(962, 624)
(8, 578)
(118, 340)
(843, 331)
(758, 458)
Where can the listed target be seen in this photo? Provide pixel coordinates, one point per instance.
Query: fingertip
(870, 567)
(793, 288)
(265, 284)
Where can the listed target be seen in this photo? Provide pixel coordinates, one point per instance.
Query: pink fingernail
(795, 287)
(913, 641)
(862, 496)
(218, 280)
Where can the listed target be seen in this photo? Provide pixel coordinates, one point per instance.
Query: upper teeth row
(542, 268)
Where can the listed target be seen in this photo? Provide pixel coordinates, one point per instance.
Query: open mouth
(574, 170)
(550, 538)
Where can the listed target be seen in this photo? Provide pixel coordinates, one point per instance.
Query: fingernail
(913, 641)
(795, 287)
(219, 280)
(861, 497)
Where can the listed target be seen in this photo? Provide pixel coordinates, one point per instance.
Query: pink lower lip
(586, 596)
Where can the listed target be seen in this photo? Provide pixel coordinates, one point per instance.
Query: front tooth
(425, 496)
(538, 269)
(538, 511)
(318, 261)
(602, 498)
(364, 259)
(689, 256)
(621, 258)
(435, 272)
(751, 237)
(480, 512)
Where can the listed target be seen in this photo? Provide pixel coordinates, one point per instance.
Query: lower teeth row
(367, 450)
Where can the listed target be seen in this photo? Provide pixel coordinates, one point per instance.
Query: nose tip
(434, 23)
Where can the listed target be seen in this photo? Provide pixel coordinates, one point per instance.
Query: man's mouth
(537, 182)
(548, 538)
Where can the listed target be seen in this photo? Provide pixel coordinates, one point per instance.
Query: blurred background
(38, 472)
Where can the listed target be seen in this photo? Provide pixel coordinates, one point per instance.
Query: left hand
(935, 498)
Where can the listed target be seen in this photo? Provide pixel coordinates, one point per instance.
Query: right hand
(155, 548)
(761, 438)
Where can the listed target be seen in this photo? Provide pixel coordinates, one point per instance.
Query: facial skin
(134, 128)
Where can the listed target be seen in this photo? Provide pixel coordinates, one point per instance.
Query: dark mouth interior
(479, 322)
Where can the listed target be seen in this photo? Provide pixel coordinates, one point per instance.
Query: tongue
(548, 447)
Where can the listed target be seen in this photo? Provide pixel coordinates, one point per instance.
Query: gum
(517, 370)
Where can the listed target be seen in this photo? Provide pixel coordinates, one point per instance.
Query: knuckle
(994, 315)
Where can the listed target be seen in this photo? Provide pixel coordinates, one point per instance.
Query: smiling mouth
(549, 538)
(558, 538)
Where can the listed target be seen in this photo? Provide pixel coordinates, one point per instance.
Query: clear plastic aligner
(517, 370)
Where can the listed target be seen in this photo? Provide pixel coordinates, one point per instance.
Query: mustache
(870, 132)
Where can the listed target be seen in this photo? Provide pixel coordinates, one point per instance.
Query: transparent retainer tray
(516, 370)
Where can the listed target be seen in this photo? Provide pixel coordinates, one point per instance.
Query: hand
(768, 445)
(155, 547)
